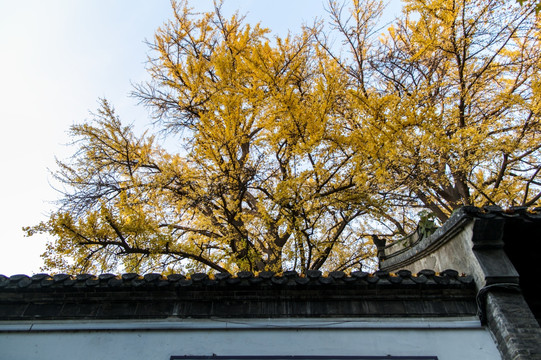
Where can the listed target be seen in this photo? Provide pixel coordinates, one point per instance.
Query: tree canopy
(299, 149)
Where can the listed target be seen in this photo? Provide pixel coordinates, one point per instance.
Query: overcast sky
(57, 58)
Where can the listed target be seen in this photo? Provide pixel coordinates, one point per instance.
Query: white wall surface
(159, 340)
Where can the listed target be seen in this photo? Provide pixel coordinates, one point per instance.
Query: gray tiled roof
(496, 211)
(312, 278)
(267, 295)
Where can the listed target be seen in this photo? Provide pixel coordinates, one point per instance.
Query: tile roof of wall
(447, 278)
(267, 295)
(496, 211)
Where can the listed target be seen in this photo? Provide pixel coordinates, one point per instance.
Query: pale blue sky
(57, 58)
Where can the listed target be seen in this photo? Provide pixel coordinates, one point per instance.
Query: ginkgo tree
(298, 149)
(449, 101)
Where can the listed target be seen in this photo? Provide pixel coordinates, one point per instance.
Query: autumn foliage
(298, 149)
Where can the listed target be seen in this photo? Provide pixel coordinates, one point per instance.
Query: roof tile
(450, 273)
(84, 277)
(129, 276)
(199, 277)
(245, 275)
(313, 274)
(337, 274)
(175, 277)
(152, 277)
(266, 275)
(427, 272)
(106, 277)
(404, 273)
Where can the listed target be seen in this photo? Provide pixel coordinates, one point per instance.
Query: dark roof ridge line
(243, 278)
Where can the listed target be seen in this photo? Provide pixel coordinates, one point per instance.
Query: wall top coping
(412, 248)
(244, 279)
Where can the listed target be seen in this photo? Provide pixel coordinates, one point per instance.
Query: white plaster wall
(456, 254)
(449, 340)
